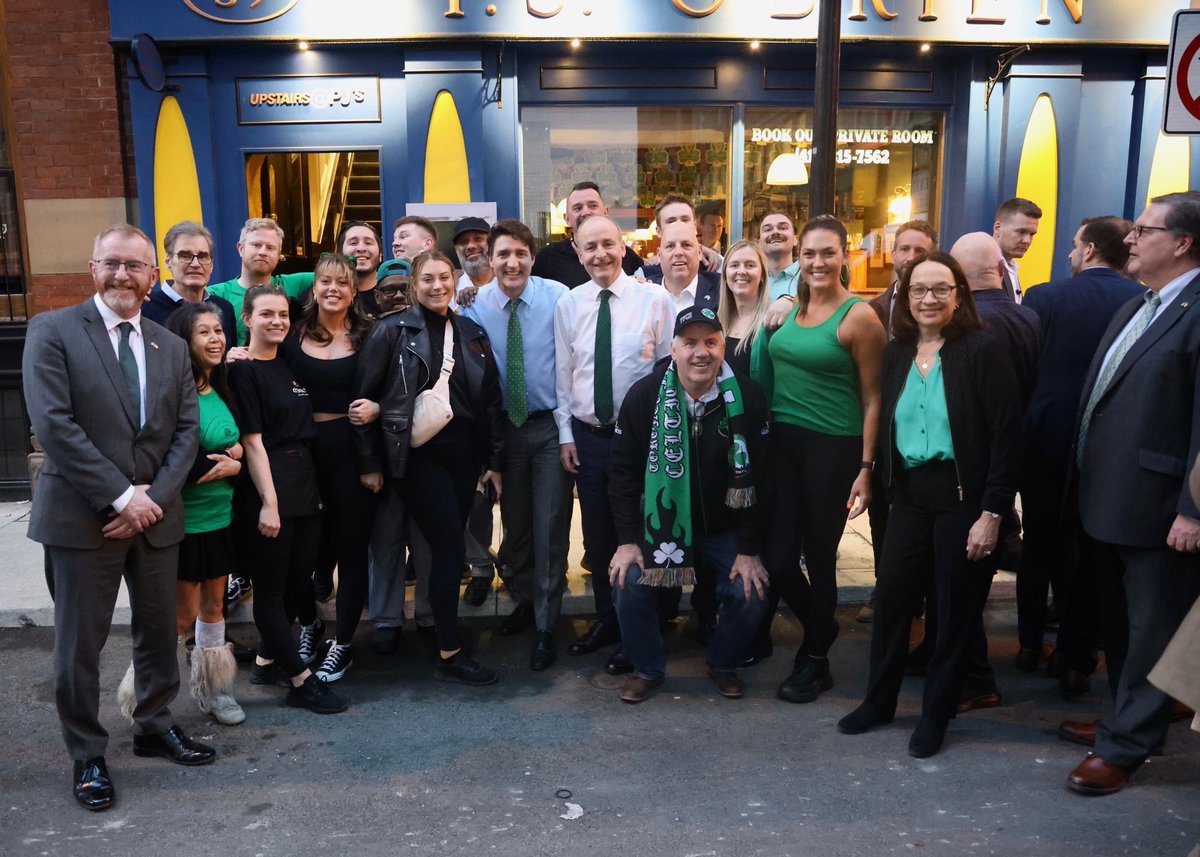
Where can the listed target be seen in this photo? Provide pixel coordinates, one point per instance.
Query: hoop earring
(844, 276)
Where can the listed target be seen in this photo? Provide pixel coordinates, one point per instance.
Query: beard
(124, 302)
(475, 267)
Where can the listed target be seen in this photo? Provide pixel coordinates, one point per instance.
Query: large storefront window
(635, 154)
(888, 171)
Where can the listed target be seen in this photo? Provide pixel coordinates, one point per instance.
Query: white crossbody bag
(432, 411)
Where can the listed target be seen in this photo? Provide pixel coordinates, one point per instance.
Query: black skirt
(206, 556)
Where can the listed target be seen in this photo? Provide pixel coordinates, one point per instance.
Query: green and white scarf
(667, 548)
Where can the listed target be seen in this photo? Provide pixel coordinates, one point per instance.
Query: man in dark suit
(679, 270)
(1137, 434)
(1016, 225)
(189, 248)
(112, 400)
(913, 237)
(1074, 313)
(558, 260)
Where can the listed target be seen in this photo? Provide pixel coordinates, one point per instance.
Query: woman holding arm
(951, 457)
(324, 358)
(402, 358)
(821, 372)
(744, 301)
(277, 516)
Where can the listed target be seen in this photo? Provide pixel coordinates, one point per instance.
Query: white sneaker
(225, 710)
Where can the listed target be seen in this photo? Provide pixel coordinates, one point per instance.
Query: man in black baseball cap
(470, 242)
(690, 416)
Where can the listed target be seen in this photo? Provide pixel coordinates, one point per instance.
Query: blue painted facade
(1105, 77)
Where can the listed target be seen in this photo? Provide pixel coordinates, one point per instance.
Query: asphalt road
(555, 764)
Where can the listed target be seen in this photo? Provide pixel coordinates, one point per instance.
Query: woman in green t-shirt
(206, 554)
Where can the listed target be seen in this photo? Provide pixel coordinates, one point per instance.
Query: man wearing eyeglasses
(1136, 437)
(189, 247)
(112, 399)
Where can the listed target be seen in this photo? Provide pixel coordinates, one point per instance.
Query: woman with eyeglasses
(821, 371)
(951, 458)
(743, 302)
(403, 358)
(277, 514)
(324, 357)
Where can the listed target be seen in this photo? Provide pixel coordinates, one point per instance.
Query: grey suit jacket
(1145, 430)
(82, 415)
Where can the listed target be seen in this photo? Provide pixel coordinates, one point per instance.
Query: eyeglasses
(133, 266)
(187, 258)
(940, 292)
(1138, 230)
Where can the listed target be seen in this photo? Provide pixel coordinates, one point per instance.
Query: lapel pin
(154, 345)
(1183, 305)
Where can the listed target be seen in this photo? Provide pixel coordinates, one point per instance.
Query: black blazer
(983, 403)
(1145, 431)
(1074, 313)
(708, 286)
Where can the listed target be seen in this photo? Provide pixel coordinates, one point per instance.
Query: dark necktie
(603, 367)
(130, 370)
(518, 407)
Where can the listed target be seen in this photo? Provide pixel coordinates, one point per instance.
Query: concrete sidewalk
(25, 601)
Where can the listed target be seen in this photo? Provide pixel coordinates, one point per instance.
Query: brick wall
(66, 141)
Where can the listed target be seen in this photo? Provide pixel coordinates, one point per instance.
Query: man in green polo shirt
(259, 247)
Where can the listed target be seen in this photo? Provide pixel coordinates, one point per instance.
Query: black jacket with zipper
(708, 467)
(983, 402)
(394, 367)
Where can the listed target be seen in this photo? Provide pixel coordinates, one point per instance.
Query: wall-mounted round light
(302, 45)
(575, 44)
(755, 45)
(926, 47)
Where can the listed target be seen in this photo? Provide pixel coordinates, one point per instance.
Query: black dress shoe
(544, 653)
(760, 650)
(862, 719)
(597, 637)
(516, 621)
(174, 745)
(927, 738)
(619, 663)
(93, 788)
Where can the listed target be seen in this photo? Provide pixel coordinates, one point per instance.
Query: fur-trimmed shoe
(213, 671)
(127, 695)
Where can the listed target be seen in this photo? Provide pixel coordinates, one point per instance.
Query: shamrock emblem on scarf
(668, 553)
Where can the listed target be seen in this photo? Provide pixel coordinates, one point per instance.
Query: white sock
(210, 635)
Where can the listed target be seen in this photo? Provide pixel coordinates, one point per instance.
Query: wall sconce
(900, 206)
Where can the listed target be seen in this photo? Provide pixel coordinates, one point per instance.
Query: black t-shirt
(271, 402)
(559, 261)
(330, 383)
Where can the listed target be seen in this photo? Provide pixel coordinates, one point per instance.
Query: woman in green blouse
(950, 454)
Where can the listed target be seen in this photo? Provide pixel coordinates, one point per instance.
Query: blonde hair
(727, 311)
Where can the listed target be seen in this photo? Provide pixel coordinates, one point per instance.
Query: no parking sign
(1181, 110)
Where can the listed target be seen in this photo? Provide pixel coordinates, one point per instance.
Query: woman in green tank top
(821, 373)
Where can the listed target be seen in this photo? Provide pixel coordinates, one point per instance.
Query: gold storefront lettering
(794, 15)
(683, 7)
(455, 10)
(857, 13)
(542, 13)
(1074, 7)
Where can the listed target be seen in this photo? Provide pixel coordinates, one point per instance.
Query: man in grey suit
(1137, 434)
(113, 402)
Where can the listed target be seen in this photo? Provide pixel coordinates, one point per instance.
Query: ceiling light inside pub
(788, 169)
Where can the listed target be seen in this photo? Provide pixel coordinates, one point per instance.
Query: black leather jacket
(395, 365)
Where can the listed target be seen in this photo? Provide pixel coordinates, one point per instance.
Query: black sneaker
(268, 674)
(477, 591)
(806, 683)
(237, 590)
(337, 661)
(316, 696)
(385, 641)
(464, 669)
(310, 640)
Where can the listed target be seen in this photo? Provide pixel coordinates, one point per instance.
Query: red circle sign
(1190, 102)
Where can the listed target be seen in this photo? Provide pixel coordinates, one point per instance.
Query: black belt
(603, 431)
(534, 415)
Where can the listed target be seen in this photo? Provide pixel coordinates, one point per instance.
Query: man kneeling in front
(690, 442)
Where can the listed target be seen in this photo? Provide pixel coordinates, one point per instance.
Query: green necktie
(130, 370)
(1142, 321)
(518, 408)
(603, 367)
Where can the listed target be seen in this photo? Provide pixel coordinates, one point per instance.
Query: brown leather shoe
(728, 684)
(637, 689)
(1079, 731)
(983, 700)
(1179, 711)
(1094, 776)
(1028, 660)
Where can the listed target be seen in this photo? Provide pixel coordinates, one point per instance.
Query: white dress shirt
(642, 319)
(687, 297)
(138, 346)
(1166, 295)
(1011, 267)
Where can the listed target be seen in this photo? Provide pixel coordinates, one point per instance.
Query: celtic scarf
(667, 549)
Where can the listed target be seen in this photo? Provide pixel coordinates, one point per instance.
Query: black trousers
(437, 490)
(595, 511)
(812, 475)
(1046, 551)
(927, 537)
(281, 571)
(346, 521)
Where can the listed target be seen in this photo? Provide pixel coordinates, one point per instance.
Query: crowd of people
(718, 417)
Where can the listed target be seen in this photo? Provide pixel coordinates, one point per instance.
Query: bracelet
(867, 465)
(994, 515)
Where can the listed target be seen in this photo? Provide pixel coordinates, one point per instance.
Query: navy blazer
(1144, 432)
(1074, 313)
(708, 286)
(159, 307)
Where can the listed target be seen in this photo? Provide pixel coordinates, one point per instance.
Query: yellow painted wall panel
(446, 176)
(1037, 180)
(176, 183)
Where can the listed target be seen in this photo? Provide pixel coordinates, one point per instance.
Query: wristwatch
(867, 465)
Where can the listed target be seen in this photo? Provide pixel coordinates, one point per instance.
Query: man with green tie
(608, 333)
(517, 311)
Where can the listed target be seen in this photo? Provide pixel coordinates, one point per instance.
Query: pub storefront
(287, 108)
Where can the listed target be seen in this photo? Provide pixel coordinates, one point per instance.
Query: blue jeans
(737, 616)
